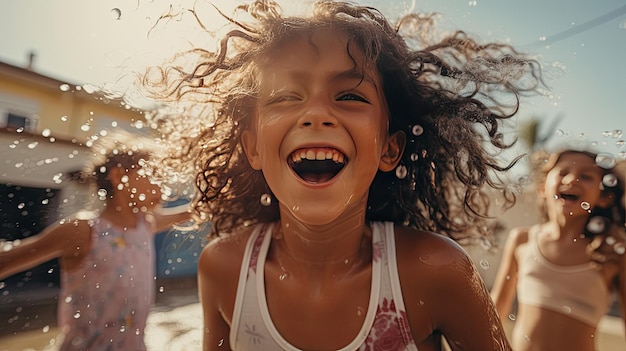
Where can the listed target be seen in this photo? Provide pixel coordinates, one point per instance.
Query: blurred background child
(564, 270)
(106, 256)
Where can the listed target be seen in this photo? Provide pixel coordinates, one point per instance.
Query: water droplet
(221, 342)
(142, 197)
(161, 289)
(64, 87)
(116, 14)
(283, 276)
(102, 193)
(596, 225)
(559, 132)
(124, 179)
(63, 118)
(46, 132)
(401, 171)
(485, 243)
(605, 160)
(512, 317)
(610, 240)
(77, 315)
(619, 248)
(585, 205)
(524, 180)
(609, 180)
(45, 329)
(417, 130)
(266, 199)
(85, 127)
(484, 264)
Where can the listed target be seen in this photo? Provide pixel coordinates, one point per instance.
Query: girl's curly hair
(118, 149)
(448, 96)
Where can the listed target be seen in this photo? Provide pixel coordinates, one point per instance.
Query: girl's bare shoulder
(439, 249)
(223, 254)
(519, 235)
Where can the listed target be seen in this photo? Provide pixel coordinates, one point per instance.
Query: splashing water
(266, 200)
(609, 180)
(116, 14)
(605, 160)
(401, 172)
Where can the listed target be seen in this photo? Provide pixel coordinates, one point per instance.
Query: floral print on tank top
(390, 330)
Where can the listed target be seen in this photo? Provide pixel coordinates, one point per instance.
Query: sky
(581, 44)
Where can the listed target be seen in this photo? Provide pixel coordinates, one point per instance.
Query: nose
(318, 114)
(569, 178)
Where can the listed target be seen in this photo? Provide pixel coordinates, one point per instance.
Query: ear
(606, 200)
(115, 176)
(248, 141)
(393, 151)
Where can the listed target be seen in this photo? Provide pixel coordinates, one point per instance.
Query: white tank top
(385, 327)
(578, 291)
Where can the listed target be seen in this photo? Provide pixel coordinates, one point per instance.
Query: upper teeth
(317, 154)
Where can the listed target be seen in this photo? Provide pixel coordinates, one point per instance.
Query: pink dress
(104, 303)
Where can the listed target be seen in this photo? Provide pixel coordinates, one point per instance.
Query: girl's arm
(68, 238)
(164, 218)
(218, 276)
(621, 288)
(505, 282)
(445, 295)
(466, 315)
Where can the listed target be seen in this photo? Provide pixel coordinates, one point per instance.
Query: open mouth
(317, 165)
(568, 197)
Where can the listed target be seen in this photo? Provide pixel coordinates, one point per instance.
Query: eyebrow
(353, 74)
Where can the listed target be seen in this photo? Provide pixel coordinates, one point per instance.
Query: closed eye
(352, 97)
(281, 98)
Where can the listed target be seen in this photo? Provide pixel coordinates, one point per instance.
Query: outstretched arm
(164, 218)
(68, 238)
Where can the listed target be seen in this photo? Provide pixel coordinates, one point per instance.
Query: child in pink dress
(107, 259)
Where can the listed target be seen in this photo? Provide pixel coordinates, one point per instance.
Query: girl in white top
(306, 134)
(564, 269)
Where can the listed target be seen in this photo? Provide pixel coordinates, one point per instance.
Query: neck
(567, 228)
(344, 242)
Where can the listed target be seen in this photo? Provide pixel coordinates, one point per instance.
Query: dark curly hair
(448, 96)
(115, 149)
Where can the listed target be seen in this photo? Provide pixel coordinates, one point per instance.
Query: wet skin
(314, 99)
(570, 188)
